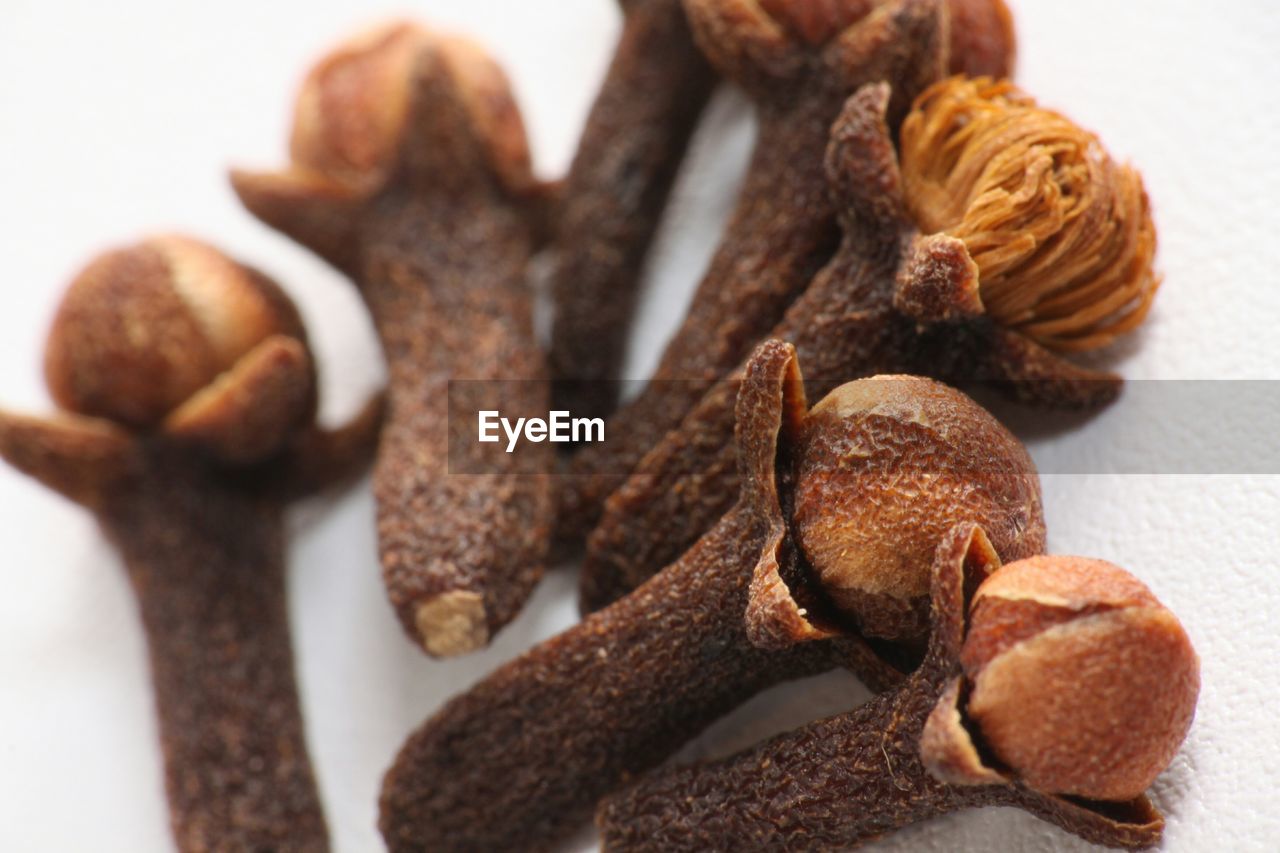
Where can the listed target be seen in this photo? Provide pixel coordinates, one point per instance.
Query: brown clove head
(354, 119)
(816, 21)
(983, 42)
(1082, 683)
(352, 109)
(399, 109)
(884, 467)
(1061, 234)
(776, 38)
(145, 328)
(982, 36)
(766, 44)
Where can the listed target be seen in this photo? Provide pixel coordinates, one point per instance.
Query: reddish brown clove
(1087, 678)
(894, 300)
(1082, 683)
(983, 42)
(411, 173)
(783, 228)
(634, 140)
(521, 758)
(189, 399)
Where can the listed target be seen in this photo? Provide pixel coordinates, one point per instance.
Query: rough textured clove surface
(203, 545)
(191, 312)
(883, 468)
(849, 779)
(520, 760)
(454, 305)
(206, 560)
(195, 506)
(631, 148)
(414, 179)
(890, 301)
(783, 228)
(443, 266)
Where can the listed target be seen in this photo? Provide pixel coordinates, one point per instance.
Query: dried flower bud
(884, 468)
(144, 328)
(353, 111)
(816, 21)
(1062, 235)
(1082, 682)
(982, 38)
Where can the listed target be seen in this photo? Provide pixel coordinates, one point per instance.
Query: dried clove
(521, 758)
(186, 437)
(983, 42)
(1110, 727)
(411, 174)
(1072, 677)
(635, 138)
(782, 228)
(798, 61)
(1036, 243)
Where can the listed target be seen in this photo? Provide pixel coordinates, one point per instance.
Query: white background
(119, 119)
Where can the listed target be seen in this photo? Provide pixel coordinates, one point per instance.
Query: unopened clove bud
(1081, 682)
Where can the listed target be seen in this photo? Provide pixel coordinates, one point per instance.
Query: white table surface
(119, 119)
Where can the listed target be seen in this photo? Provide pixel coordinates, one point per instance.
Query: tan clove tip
(453, 623)
(1082, 683)
(1061, 233)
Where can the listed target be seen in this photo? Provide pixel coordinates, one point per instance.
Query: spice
(980, 301)
(983, 42)
(521, 758)
(635, 137)
(185, 437)
(849, 779)
(1081, 682)
(411, 173)
(1061, 234)
(783, 227)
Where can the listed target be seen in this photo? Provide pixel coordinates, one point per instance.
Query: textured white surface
(119, 119)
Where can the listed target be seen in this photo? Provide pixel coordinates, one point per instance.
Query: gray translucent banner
(1173, 427)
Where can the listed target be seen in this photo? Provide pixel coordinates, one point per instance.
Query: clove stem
(206, 559)
(635, 138)
(462, 532)
(520, 760)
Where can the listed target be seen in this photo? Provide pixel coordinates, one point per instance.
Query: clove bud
(1061, 233)
(1081, 682)
(411, 174)
(1085, 681)
(520, 759)
(1008, 230)
(189, 398)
